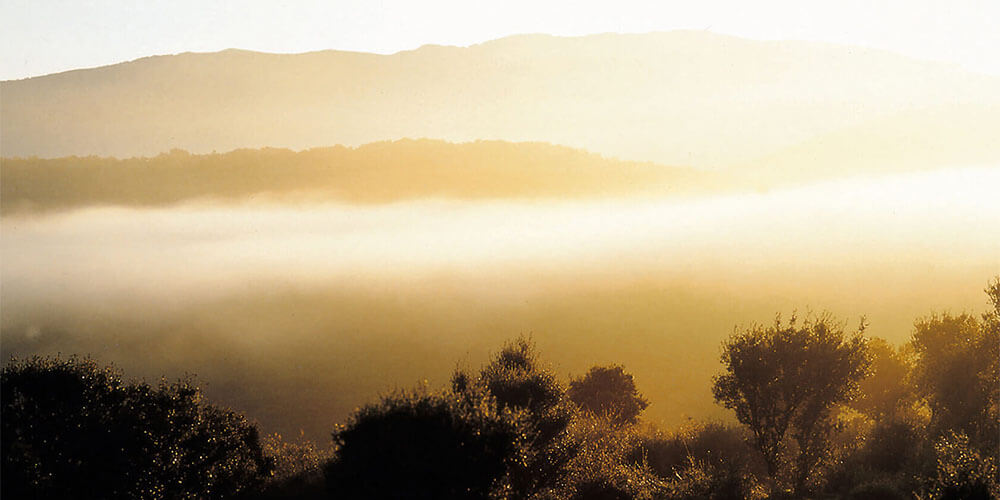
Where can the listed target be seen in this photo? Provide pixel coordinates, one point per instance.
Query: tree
(886, 391)
(425, 446)
(516, 380)
(783, 380)
(74, 429)
(958, 371)
(608, 392)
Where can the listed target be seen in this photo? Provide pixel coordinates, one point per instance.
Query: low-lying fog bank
(298, 314)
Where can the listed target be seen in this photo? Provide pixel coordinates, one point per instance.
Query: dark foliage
(515, 379)
(877, 490)
(602, 469)
(706, 461)
(887, 461)
(75, 429)
(963, 472)
(783, 381)
(721, 447)
(958, 374)
(297, 470)
(600, 490)
(887, 392)
(608, 392)
(432, 446)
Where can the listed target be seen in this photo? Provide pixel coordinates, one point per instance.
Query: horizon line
(424, 46)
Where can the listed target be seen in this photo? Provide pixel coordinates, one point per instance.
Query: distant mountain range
(678, 98)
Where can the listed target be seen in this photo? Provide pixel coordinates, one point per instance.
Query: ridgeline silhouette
(374, 173)
(677, 98)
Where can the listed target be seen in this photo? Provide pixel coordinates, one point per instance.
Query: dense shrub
(957, 372)
(75, 429)
(602, 469)
(888, 457)
(433, 446)
(297, 469)
(515, 379)
(962, 471)
(705, 461)
(608, 392)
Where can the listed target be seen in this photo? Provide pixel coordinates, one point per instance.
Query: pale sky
(46, 36)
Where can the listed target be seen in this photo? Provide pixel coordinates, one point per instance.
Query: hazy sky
(46, 36)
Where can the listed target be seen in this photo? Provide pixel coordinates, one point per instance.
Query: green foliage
(608, 392)
(784, 380)
(433, 446)
(75, 429)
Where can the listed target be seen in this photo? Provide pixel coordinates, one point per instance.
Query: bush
(601, 469)
(958, 372)
(962, 472)
(75, 429)
(298, 469)
(434, 446)
(516, 380)
(608, 392)
(890, 456)
(707, 461)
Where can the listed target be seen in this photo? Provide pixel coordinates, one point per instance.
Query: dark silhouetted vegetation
(783, 382)
(608, 392)
(825, 413)
(433, 446)
(75, 429)
(516, 380)
(956, 373)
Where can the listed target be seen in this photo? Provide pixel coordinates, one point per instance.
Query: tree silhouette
(75, 429)
(425, 446)
(608, 392)
(783, 380)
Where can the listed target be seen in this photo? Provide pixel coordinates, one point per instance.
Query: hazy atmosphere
(337, 228)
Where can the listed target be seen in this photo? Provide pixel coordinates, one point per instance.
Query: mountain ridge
(376, 173)
(691, 98)
(518, 37)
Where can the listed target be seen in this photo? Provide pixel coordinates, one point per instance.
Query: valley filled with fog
(297, 313)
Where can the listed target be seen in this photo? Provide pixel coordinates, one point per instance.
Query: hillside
(373, 173)
(677, 98)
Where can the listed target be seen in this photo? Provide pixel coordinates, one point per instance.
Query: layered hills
(678, 98)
